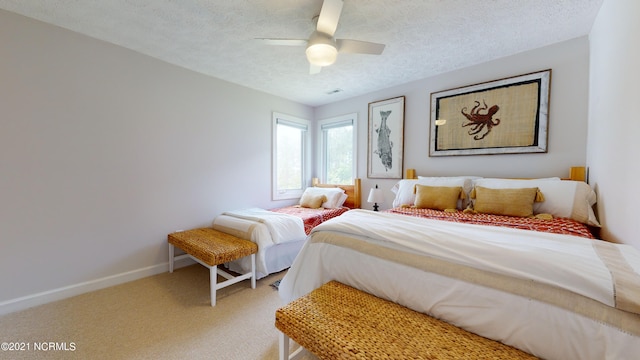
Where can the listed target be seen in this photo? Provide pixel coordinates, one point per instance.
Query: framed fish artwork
(386, 139)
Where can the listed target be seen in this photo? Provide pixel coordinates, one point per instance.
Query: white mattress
(271, 257)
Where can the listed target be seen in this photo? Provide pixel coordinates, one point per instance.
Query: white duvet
(556, 261)
(282, 227)
(267, 229)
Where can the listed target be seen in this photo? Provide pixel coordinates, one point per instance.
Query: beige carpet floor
(166, 316)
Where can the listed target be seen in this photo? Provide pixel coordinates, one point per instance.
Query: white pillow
(503, 183)
(334, 196)
(467, 185)
(566, 198)
(341, 200)
(404, 189)
(404, 192)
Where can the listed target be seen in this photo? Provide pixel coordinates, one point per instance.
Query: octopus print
(384, 142)
(480, 119)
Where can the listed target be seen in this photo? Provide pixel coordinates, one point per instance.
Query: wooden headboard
(353, 192)
(576, 173)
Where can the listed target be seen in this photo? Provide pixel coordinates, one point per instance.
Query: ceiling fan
(322, 48)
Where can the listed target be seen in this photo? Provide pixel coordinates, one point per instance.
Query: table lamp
(376, 196)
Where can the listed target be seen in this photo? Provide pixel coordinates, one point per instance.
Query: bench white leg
(171, 258)
(214, 271)
(283, 345)
(296, 354)
(253, 271)
(283, 348)
(213, 279)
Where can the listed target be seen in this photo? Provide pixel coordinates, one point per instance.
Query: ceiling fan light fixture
(321, 54)
(321, 50)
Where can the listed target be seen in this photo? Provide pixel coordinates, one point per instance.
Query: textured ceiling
(217, 37)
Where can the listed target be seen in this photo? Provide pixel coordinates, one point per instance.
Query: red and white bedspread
(311, 217)
(556, 225)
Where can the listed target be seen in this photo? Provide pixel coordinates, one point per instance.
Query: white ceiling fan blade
(285, 42)
(314, 69)
(359, 47)
(329, 16)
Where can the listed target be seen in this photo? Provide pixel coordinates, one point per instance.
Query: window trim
(321, 146)
(304, 124)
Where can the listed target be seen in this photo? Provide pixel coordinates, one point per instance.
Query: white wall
(614, 127)
(105, 151)
(569, 62)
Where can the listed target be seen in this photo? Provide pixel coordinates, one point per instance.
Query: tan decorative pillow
(511, 202)
(437, 197)
(312, 201)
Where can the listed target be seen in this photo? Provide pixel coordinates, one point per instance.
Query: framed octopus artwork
(386, 138)
(503, 116)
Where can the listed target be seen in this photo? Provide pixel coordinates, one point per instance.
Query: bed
(277, 247)
(545, 285)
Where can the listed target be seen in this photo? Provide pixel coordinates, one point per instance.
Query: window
(290, 156)
(337, 144)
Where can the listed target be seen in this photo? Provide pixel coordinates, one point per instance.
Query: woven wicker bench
(337, 321)
(211, 248)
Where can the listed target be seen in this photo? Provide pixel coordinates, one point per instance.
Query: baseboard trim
(25, 302)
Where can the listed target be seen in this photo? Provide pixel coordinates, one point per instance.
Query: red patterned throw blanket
(311, 217)
(557, 225)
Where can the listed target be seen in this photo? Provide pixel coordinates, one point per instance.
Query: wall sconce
(376, 196)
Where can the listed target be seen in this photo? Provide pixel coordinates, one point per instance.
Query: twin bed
(279, 245)
(511, 260)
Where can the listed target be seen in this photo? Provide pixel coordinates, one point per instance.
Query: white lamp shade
(376, 196)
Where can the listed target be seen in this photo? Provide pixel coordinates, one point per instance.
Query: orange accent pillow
(511, 202)
(437, 197)
(312, 201)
